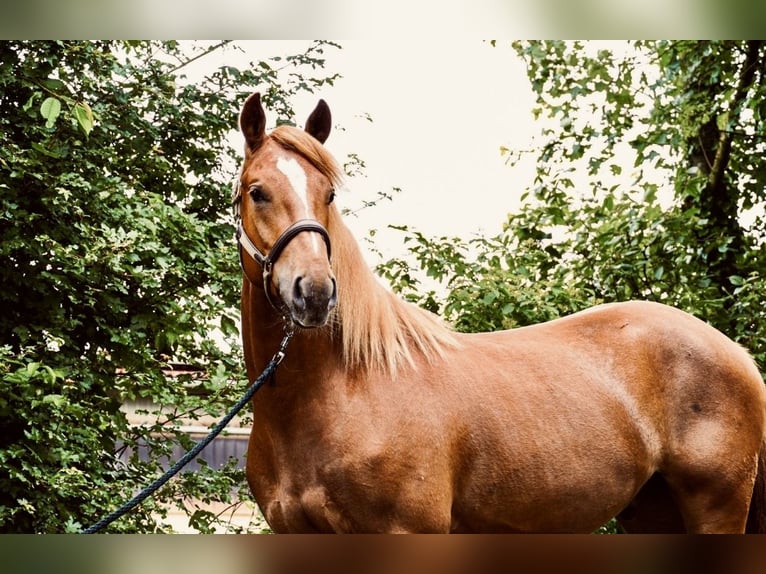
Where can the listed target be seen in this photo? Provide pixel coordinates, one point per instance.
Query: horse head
(285, 198)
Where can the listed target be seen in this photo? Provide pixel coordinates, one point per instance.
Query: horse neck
(262, 332)
(378, 331)
(305, 375)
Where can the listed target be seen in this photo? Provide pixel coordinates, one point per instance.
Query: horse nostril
(298, 298)
(334, 297)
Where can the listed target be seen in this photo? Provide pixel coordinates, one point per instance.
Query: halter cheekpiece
(267, 261)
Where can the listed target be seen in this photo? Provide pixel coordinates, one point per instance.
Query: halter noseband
(267, 261)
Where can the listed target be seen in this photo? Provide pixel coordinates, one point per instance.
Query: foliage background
(117, 257)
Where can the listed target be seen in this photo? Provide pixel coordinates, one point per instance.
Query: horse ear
(252, 122)
(320, 122)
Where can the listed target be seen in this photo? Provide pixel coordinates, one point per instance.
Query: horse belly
(556, 440)
(556, 471)
(571, 496)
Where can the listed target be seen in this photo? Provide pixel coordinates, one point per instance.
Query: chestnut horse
(382, 419)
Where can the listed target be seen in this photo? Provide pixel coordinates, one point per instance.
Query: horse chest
(285, 474)
(298, 498)
(311, 484)
(302, 509)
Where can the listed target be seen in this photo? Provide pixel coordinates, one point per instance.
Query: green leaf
(30, 101)
(54, 399)
(84, 115)
(54, 84)
(45, 151)
(50, 110)
(228, 325)
(722, 121)
(489, 298)
(736, 280)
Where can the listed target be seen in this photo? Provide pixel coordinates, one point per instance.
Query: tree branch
(201, 55)
(723, 152)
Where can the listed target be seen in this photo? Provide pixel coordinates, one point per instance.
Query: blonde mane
(378, 330)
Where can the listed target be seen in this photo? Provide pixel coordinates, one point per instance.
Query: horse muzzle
(308, 294)
(310, 300)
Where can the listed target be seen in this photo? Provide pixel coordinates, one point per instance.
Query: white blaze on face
(297, 178)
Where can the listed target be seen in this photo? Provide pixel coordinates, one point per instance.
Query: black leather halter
(267, 261)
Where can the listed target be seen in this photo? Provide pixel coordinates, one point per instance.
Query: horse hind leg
(712, 478)
(695, 505)
(714, 504)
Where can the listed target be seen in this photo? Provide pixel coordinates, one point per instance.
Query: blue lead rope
(267, 373)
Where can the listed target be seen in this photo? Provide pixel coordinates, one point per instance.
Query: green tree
(651, 182)
(116, 258)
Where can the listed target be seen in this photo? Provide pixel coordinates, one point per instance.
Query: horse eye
(256, 194)
(332, 197)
